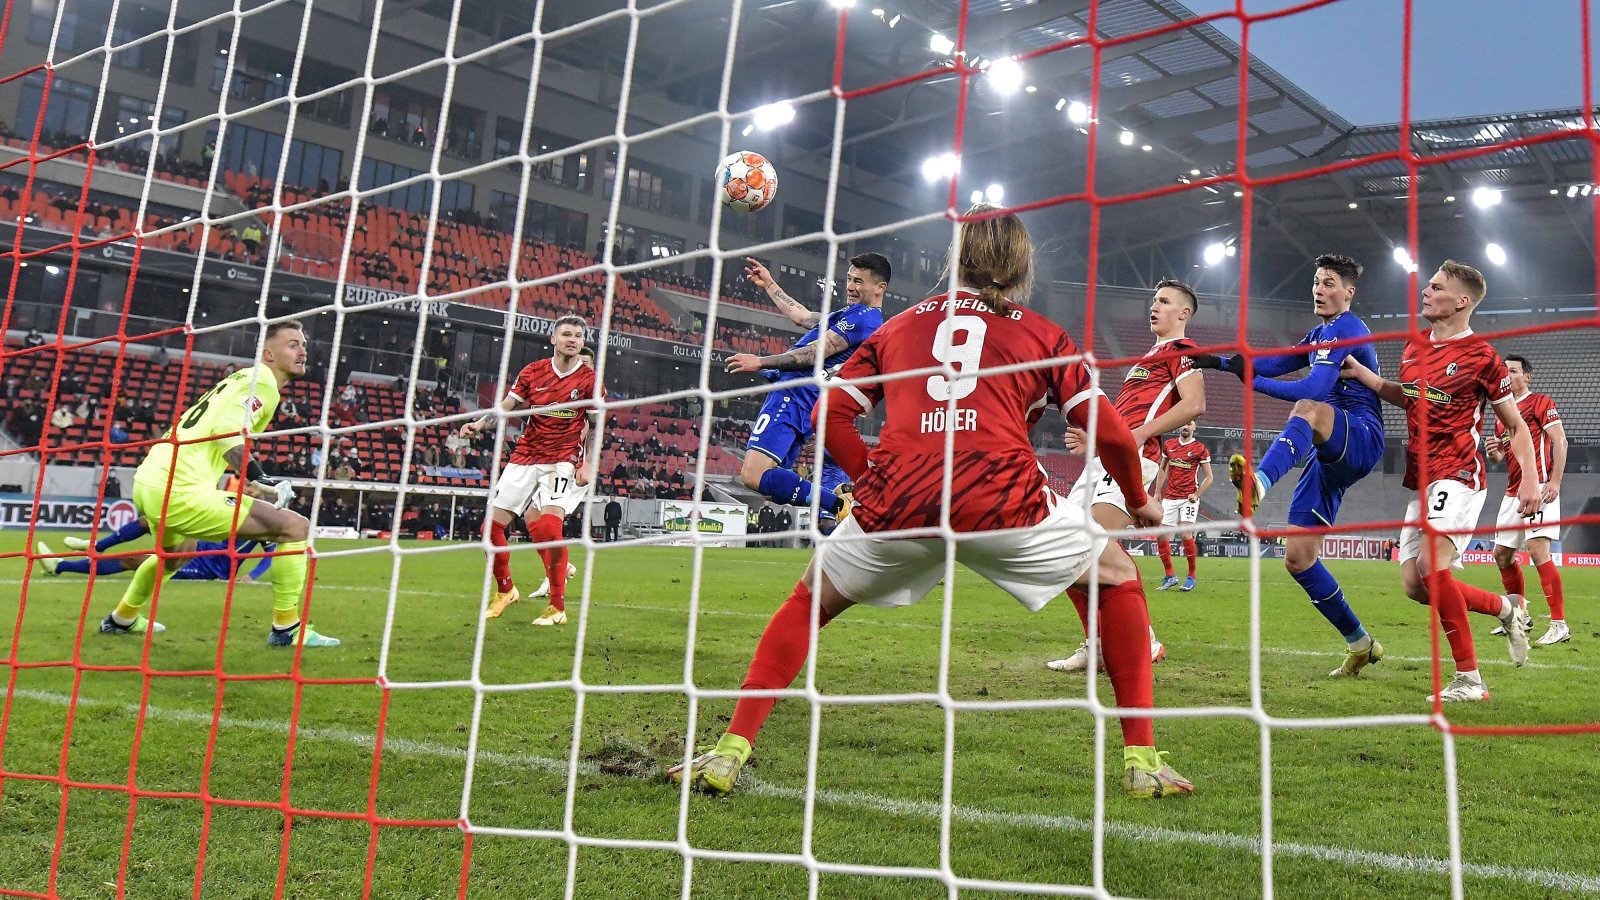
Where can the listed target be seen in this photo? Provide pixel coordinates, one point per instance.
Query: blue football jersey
(855, 323)
(1349, 395)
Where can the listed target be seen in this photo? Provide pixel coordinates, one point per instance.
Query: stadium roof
(1173, 86)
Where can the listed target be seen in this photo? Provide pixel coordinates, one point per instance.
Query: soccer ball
(746, 181)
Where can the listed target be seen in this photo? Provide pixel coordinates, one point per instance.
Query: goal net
(428, 186)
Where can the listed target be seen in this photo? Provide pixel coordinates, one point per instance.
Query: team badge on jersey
(1450, 370)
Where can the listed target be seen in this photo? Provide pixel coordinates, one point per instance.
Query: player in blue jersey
(784, 425)
(1335, 430)
(212, 564)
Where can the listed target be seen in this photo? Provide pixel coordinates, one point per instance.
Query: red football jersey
(1183, 465)
(995, 478)
(554, 433)
(1151, 388)
(1445, 384)
(1540, 412)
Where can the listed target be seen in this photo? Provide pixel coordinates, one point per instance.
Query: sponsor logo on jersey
(1180, 464)
(1434, 395)
(1139, 372)
(560, 413)
(254, 404)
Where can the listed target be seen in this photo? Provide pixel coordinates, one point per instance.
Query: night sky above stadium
(1469, 57)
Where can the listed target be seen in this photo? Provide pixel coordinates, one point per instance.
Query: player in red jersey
(548, 471)
(1185, 478)
(987, 488)
(1160, 393)
(1515, 532)
(1445, 375)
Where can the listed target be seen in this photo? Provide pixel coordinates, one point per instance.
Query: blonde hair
(996, 257)
(1470, 278)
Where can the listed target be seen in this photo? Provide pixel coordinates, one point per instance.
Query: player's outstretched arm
(791, 308)
(1388, 390)
(508, 403)
(1529, 496)
(797, 360)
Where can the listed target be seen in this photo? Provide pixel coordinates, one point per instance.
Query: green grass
(1356, 811)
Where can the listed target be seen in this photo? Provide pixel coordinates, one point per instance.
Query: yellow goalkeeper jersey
(241, 404)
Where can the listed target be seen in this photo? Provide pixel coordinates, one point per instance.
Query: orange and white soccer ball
(746, 181)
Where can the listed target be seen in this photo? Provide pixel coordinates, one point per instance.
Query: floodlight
(945, 165)
(1006, 75)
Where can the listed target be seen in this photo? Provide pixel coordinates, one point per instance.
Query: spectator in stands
(430, 454)
(113, 485)
(160, 357)
(783, 521)
(71, 385)
(343, 471)
(146, 414)
(347, 394)
(61, 418)
(456, 445)
(88, 408)
(34, 338)
(289, 412)
(13, 385)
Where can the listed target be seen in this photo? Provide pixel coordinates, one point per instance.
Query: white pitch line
(878, 621)
(1221, 840)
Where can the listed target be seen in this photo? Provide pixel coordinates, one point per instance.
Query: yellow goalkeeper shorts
(206, 514)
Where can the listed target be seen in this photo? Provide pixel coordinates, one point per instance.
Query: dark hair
(876, 263)
(1470, 278)
(1527, 368)
(285, 325)
(570, 319)
(1343, 266)
(1175, 284)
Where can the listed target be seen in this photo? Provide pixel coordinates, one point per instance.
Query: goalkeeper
(175, 487)
(1335, 430)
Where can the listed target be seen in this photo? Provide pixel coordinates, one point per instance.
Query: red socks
(1511, 577)
(500, 562)
(1444, 594)
(780, 655)
(1125, 645)
(1165, 546)
(1550, 580)
(1191, 549)
(545, 529)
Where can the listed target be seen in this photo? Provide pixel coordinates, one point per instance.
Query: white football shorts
(1515, 530)
(1451, 507)
(1179, 512)
(1033, 564)
(523, 487)
(1102, 488)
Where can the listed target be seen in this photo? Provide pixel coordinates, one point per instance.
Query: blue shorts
(784, 426)
(1352, 451)
(213, 567)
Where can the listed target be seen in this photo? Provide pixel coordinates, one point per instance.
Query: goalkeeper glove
(1234, 364)
(282, 490)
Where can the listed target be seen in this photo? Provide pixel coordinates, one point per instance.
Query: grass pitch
(1356, 810)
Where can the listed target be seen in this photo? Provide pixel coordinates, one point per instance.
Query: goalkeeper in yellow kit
(176, 488)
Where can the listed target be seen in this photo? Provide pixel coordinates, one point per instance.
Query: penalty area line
(1220, 840)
